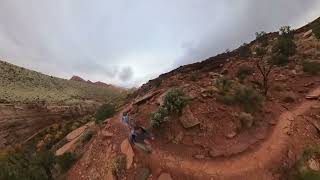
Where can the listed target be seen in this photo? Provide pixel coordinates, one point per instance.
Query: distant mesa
(98, 83)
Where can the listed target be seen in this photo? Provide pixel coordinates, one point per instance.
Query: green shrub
(312, 68)
(225, 99)
(119, 165)
(158, 83)
(175, 100)
(286, 32)
(158, 117)
(285, 45)
(104, 112)
(224, 85)
(244, 50)
(243, 72)
(65, 161)
(316, 30)
(248, 99)
(279, 59)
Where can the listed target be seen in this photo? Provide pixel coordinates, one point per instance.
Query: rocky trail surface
(256, 163)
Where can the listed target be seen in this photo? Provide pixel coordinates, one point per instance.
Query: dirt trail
(255, 165)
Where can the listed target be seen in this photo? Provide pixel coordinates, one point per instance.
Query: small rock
(187, 118)
(307, 34)
(165, 176)
(214, 153)
(231, 135)
(110, 176)
(314, 165)
(246, 119)
(199, 156)
(107, 134)
(309, 84)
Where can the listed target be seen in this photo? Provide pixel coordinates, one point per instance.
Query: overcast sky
(127, 42)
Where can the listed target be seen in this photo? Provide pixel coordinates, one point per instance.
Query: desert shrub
(65, 161)
(285, 44)
(225, 99)
(316, 30)
(159, 117)
(244, 50)
(119, 165)
(175, 100)
(104, 112)
(312, 68)
(262, 38)
(260, 51)
(286, 32)
(87, 136)
(224, 85)
(248, 99)
(279, 59)
(243, 72)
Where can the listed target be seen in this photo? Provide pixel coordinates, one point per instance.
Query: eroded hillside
(245, 114)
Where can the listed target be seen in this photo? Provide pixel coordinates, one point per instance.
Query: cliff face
(19, 122)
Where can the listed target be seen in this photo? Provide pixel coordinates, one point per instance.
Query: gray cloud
(242, 22)
(125, 42)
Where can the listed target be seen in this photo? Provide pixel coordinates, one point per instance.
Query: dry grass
(23, 85)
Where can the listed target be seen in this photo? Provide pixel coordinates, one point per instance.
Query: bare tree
(265, 67)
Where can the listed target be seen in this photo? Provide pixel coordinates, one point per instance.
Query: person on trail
(139, 136)
(125, 118)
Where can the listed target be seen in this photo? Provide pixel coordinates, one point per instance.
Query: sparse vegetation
(119, 165)
(312, 68)
(104, 112)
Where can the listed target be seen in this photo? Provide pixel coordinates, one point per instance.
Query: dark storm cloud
(128, 42)
(126, 74)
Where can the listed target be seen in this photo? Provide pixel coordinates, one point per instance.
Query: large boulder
(75, 133)
(187, 118)
(165, 176)
(127, 150)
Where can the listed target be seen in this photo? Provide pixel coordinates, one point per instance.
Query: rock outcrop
(20, 121)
